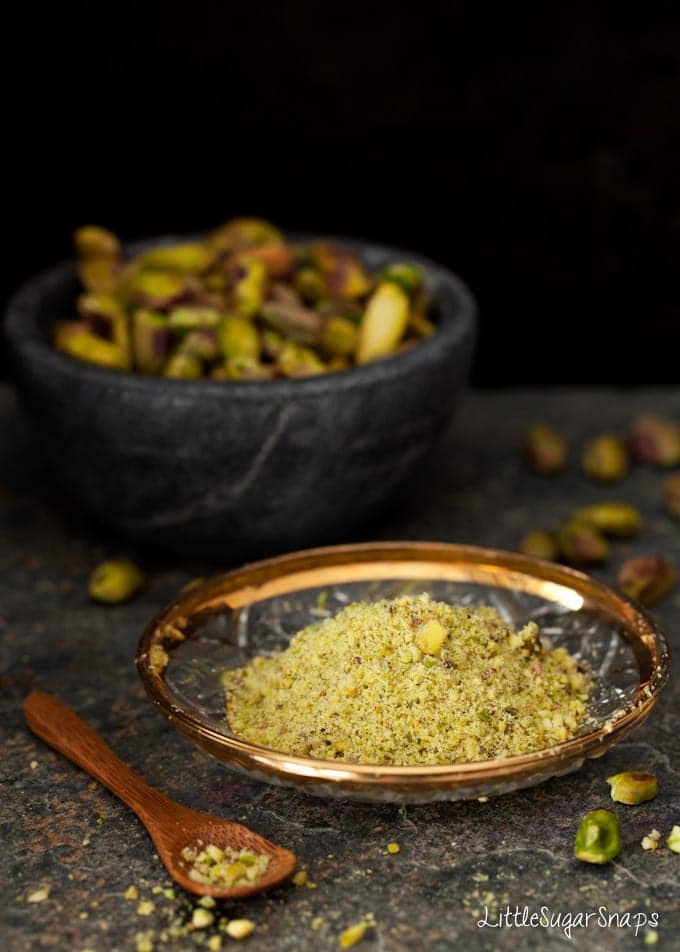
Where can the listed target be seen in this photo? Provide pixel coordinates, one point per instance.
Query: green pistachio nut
(115, 581)
(191, 257)
(673, 841)
(150, 340)
(272, 342)
(407, 275)
(632, 787)
(99, 275)
(156, 289)
(249, 287)
(605, 458)
(94, 350)
(244, 368)
(338, 337)
(183, 366)
(655, 440)
(545, 449)
(294, 360)
(383, 324)
(299, 324)
(647, 578)
(616, 519)
(598, 839)
(581, 543)
(310, 284)
(65, 329)
(108, 318)
(91, 241)
(186, 318)
(344, 274)
(540, 545)
(671, 492)
(238, 338)
(239, 233)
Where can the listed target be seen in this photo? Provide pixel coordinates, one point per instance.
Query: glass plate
(256, 609)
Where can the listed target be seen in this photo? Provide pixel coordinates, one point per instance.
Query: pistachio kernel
(633, 787)
(598, 839)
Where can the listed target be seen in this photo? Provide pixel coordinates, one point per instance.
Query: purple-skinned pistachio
(647, 578)
(343, 272)
(655, 440)
(545, 449)
(293, 321)
(249, 286)
(605, 458)
(201, 343)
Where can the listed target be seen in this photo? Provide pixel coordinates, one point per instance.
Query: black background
(533, 149)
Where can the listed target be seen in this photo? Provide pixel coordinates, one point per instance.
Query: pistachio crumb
(300, 878)
(353, 935)
(207, 902)
(38, 895)
(651, 841)
(145, 907)
(202, 918)
(316, 923)
(132, 892)
(651, 937)
(239, 928)
(215, 943)
(33, 764)
(393, 848)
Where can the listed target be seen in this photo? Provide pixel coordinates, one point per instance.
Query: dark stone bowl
(237, 470)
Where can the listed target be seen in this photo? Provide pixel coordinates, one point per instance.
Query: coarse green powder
(409, 681)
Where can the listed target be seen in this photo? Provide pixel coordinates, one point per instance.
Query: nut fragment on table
(633, 787)
(598, 838)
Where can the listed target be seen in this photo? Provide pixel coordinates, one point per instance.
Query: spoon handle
(61, 728)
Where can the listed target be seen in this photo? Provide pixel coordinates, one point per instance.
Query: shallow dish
(227, 620)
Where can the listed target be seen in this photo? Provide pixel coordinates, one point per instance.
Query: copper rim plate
(229, 618)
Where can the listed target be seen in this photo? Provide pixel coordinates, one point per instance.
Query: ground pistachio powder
(409, 681)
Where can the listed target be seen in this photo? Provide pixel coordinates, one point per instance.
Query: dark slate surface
(60, 829)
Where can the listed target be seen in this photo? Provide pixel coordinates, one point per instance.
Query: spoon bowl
(171, 825)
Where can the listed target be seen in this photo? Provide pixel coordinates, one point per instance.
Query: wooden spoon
(172, 826)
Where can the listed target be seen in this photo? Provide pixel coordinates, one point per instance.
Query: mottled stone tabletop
(63, 831)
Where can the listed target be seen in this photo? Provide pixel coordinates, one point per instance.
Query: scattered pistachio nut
(619, 520)
(393, 848)
(39, 895)
(545, 449)
(115, 581)
(647, 578)
(673, 841)
(633, 787)
(581, 543)
(598, 839)
(605, 458)
(655, 440)
(540, 545)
